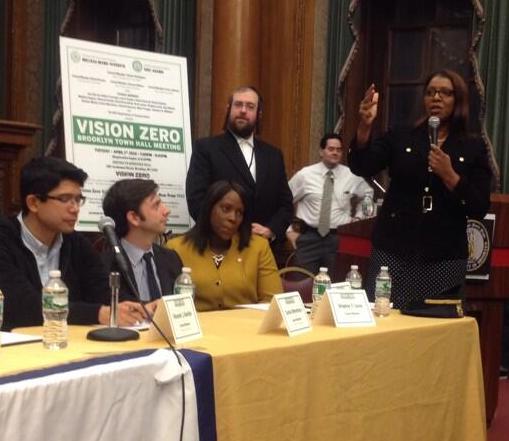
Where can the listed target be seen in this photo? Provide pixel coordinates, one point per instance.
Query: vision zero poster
(126, 115)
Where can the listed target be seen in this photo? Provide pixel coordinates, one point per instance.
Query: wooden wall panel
(287, 32)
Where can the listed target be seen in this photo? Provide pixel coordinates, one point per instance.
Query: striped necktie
(324, 218)
(153, 287)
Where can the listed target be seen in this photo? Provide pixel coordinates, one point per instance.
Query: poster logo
(137, 66)
(75, 56)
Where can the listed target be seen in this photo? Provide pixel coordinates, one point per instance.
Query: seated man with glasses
(42, 238)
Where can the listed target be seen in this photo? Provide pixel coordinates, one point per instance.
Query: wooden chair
(295, 278)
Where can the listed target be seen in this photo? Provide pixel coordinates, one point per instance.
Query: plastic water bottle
(354, 277)
(383, 292)
(368, 206)
(321, 282)
(184, 283)
(55, 308)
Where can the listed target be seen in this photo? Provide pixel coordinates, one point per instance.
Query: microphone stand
(113, 332)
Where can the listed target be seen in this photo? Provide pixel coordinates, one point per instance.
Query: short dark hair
(201, 233)
(41, 175)
(124, 196)
(327, 136)
(259, 110)
(459, 119)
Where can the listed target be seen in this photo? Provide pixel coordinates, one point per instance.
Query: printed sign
(289, 310)
(176, 317)
(126, 115)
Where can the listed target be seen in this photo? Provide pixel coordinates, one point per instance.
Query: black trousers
(314, 251)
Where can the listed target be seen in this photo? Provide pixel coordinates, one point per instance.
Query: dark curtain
(54, 12)
(343, 40)
(494, 71)
(178, 18)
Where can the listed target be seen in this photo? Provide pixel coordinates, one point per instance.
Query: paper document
(13, 338)
(258, 306)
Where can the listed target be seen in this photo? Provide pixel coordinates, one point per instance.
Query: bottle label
(319, 288)
(356, 283)
(383, 287)
(184, 289)
(55, 300)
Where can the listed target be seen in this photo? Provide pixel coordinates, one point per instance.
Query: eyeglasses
(442, 92)
(66, 199)
(242, 104)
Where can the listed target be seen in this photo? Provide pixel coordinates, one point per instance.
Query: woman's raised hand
(368, 110)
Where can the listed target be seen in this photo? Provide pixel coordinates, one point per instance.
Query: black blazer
(168, 266)
(219, 157)
(402, 227)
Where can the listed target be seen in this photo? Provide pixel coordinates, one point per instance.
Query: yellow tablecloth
(406, 379)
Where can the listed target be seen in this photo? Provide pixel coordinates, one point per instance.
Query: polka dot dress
(413, 277)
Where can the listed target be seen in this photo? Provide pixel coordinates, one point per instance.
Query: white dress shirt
(307, 187)
(247, 148)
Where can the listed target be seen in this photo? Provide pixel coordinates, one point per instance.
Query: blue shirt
(139, 266)
(47, 258)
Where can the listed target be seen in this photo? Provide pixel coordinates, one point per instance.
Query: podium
(484, 298)
(485, 301)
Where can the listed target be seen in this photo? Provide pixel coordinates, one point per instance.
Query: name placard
(176, 317)
(344, 307)
(289, 310)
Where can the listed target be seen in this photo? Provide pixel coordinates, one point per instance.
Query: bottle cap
(186, 269)
(354, 267)
(384, 268)
(55, 273)
(324, 269)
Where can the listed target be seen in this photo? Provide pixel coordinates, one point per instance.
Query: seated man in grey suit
(238, 155)
(140, 217)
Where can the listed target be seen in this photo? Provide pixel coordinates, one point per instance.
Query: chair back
(295, 278)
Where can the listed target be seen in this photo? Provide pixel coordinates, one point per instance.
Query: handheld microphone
(433, 124)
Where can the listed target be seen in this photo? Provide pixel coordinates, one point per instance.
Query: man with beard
(238, 155)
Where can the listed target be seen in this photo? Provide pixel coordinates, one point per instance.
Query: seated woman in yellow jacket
(230, 266)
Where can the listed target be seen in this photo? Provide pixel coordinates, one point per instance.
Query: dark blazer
(401, 227)
(82, 272)
(219, 157)
(168, 267)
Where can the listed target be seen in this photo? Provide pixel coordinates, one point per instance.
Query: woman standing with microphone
(439, 176)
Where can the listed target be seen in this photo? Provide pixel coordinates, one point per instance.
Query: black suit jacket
(82, 271)
(401, 227)
(168, 266)
(219, 157)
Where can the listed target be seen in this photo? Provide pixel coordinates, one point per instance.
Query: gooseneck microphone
(113, 333)
(433, 125)
(106, 226)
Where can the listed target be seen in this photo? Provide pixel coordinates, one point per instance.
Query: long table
(406, 379)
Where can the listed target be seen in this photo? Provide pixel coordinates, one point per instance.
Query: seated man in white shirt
(140, 218)
(316, 243)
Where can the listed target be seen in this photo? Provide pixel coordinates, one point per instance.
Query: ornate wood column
(269, 44)
(236, 52)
